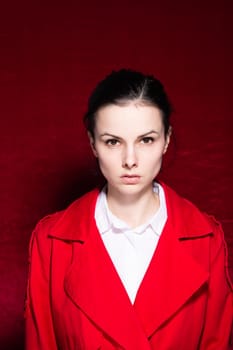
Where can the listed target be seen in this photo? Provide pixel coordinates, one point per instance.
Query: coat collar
(93, 285)
(81, 212)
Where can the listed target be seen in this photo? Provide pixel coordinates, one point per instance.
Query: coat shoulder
(194, 224)
(64, 218)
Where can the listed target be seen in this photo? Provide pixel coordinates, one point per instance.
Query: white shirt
(130, 250)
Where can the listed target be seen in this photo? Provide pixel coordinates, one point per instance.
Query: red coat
(76, 300)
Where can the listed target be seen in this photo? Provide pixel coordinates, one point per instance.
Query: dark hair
(123, 86)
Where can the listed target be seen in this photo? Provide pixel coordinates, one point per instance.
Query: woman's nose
(129, 159)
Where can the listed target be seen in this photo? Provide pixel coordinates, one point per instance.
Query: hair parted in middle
(124, 86)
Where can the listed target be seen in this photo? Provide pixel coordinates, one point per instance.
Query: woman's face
(129, 144)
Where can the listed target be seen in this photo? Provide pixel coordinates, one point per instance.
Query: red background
(52, 55)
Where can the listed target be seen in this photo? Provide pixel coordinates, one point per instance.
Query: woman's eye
(112, 142)
(147, 139)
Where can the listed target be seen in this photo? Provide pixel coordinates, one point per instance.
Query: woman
(133, 266)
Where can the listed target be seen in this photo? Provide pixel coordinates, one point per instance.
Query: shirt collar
(106, 220)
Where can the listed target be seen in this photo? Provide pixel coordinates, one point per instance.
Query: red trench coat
(76, 301)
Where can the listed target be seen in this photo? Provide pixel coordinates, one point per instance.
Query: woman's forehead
(133, 118)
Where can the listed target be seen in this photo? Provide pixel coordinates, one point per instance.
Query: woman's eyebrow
(149, 133)
(110, 135)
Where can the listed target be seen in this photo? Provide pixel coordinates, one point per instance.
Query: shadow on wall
(16, 342)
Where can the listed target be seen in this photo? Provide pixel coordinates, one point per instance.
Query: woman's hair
(125, 86)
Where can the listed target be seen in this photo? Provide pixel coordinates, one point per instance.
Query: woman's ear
(92, 144)
(168, 137)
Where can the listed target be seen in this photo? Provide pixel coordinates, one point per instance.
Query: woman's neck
(135, 210)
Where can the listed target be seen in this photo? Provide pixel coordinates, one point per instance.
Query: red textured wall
(52, 56)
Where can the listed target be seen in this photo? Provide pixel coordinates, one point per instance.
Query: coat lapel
(172, 278)
(93, 285)
(174, 275)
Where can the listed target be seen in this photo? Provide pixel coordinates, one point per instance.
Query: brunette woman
(134, 265)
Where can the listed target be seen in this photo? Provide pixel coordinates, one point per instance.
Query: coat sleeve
(219, 313)
(38, 316)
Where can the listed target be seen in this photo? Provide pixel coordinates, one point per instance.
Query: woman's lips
(130, 179)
